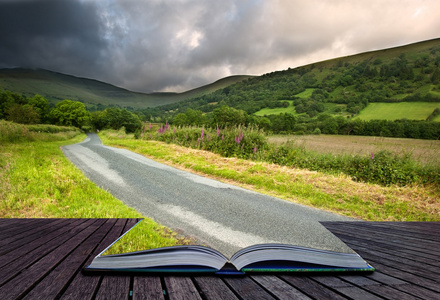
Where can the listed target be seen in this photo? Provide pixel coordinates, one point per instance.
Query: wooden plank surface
(44, 258)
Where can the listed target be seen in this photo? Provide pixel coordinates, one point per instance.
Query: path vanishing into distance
(219, 215)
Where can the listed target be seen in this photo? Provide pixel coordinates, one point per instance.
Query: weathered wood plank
(418, 291)
(59, 277)
(391, 293)
(311, 288)
(212, 287)
(147, 288)
(346, 288)
(31, 251)
(396, 257)
(83, 285)
(17, 261)
(22, 283)
(23, 229)
(180, 288)
(247, 288)
(407, 277)
(279, 288)
(114, 287)
(417, 241)
(34, 229)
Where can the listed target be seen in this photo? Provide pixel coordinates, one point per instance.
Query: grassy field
(305, 94)
(333, 193)
(424, 151)
(395, 111)
(37, 180)
(276, 111)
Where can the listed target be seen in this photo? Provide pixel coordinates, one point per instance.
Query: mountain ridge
(56, 86)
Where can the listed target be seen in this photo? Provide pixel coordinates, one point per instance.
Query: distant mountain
(57, 86)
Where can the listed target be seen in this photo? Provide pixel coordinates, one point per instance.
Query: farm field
(396, 111)
(276, 111)
(424, 151)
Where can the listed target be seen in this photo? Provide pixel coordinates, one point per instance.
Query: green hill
(56, 86)
(339, 87)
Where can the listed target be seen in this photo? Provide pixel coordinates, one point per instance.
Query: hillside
(337, 87)
(57, 86)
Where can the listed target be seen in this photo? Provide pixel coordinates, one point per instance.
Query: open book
(256, 258)
(270, 257)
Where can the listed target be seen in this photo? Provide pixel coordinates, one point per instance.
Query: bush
(383, 168)
(235, 141)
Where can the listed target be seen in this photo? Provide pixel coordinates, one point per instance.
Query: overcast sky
(157, 45)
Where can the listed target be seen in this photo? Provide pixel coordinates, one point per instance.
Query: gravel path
(219, 215)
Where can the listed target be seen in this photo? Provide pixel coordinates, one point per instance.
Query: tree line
(37, 110)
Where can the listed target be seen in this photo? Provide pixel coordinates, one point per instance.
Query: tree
(116, 118)
(229, 116)
(283, 122)
(180, 120)
(70, 113)
(195, 117)
(42, 106)
(24, 114)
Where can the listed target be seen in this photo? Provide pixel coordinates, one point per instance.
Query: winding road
(223, 216)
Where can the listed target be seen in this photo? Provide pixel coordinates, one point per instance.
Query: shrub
(233, 141)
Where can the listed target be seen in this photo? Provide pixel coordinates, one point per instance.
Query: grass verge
(37, 180)
(338, 193)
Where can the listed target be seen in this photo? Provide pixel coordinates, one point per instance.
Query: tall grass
(37, 180)
(13, 132)
(383, 167)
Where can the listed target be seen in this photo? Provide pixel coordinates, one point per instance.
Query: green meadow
(396, 111)
(278, 110)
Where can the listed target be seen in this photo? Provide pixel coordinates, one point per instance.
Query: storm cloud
(178, 45)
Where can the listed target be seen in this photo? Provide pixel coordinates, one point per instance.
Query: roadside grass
(396, 111)
(336, 193)
(38, 181)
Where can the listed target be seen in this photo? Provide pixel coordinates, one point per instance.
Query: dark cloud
(60, 35)
(159, 45)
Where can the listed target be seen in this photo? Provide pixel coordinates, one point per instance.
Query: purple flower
(255, 150)
(239, 138)
(201, 136)
(218, 131)
(372, 156)
(150, 126)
